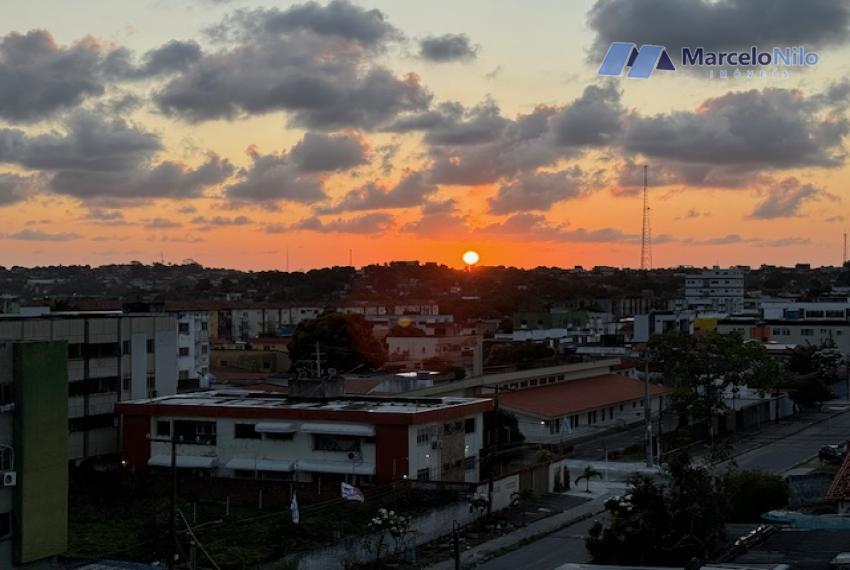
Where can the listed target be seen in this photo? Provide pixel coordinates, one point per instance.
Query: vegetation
(682, 517)
(346, 343)
(586, 475)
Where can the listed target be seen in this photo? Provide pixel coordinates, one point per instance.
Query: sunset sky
(229, 132)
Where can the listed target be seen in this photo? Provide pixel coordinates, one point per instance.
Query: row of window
(591, 418)
(534, 382)
(205, 433)
(427, 434)
(80, 350)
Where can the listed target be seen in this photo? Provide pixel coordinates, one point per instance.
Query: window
(182, 374)
(163, 428)
(336, 443)
(280, 436)
(126, 382)
(199, 432)
(424, 474)
(807, 332)
(75, 350)
(183, 328)
(149, 346)
(203, 325)
(204, 348)
(469, 425)
(125, 347)
(7, 395)
(5, 524)
(183, 351)
(424, 435)
(246, 431)
(470, 462)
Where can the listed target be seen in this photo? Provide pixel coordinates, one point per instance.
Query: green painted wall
(41, 450)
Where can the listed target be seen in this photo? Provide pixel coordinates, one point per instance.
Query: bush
(753, 493)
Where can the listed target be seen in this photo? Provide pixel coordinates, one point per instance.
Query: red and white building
(263, 435)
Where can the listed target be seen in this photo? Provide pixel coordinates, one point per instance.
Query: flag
(293, 506)
(351, 493)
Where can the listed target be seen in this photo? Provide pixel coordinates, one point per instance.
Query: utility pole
(456, 543)
(497, 416)
(173, 506)
(318, 361)
(647, 412)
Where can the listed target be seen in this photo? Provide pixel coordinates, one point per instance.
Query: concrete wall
(808, 489)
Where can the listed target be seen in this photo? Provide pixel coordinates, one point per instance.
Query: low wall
(808, 489)
(353, 550)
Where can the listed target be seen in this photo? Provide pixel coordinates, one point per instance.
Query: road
(565, 545)
(777, 453)
(776, 450)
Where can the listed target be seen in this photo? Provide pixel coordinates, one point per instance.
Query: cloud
(338, 19)
(171, 57)
(99, 157)
(786, 199)
(593, 119)
(313, 62)
(161, 224)
(693, 214)
(105, 217)
(273, 178)
(188, 209)
(220, 221)
(376, 222)
(784, 242)
(748, 130)
(14, 188)
(318, 152)
(720, 240)
(833, 219)
(447, 48)
(719, 24)
(538, 191)
(36, 235)
(410, 191)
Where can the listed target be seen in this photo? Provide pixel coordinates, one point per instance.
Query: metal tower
(646, 229)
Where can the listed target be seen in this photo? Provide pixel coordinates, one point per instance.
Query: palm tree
(588, 474)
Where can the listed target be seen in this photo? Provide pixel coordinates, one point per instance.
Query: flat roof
(244, 403)
(575, 396)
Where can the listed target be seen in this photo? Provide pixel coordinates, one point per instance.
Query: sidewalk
(536, 530)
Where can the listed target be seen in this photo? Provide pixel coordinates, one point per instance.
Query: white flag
(351, 493)
(293, 506)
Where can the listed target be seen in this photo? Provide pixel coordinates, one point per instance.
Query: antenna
(844, 258)
(646, 230)
(350, 258)
(287, 259)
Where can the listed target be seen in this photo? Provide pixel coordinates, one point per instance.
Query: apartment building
(715, 291)
(111, 356)
(660, 322)
(790, 332)
(264, 435)
(33, 453)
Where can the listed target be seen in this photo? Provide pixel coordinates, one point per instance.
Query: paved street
(566, 545)
(777, 449)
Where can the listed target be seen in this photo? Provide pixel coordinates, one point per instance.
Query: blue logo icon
(641, 62)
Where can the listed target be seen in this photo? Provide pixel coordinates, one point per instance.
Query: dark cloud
(14, 188)
(188, 209)
(220, 221)
(99, 157)
(410, 191)
(538, 191)
(744, 131)
(314, 62)
(721, 240)
(719, 24)
(171, 57)
(161, 224)
(786, 198)
(338, 19)
(376, 222)
(273, 178)
(318, 152)
(593, 119)
(446, 48)
(105, 217)
(36, 235)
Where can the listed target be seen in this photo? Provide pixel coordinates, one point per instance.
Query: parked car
(833, 454)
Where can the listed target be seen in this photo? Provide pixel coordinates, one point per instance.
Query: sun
(471, 257)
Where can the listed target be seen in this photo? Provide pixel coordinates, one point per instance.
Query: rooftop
(564, 398)
(239, 402)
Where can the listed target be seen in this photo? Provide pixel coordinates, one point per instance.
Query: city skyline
(234, 132)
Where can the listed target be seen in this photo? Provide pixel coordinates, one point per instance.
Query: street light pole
(173, 505)
(647, 412)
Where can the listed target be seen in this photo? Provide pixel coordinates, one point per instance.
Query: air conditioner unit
(10, 478)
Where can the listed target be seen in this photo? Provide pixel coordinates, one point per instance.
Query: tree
(662, 523)
(588, 474)
(346, 342)
(521, 354)
(750, 494)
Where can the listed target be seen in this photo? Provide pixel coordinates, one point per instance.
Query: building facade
(111, 356)
(791, 332)
(261, 435)
(715, 291)
(33, 453)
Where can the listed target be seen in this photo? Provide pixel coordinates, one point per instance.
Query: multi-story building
(193, 350)
(33, 453)
(111, 356)
(790, 332)
(832, 310)
(265, 435)
(715, 291)
(660, 322)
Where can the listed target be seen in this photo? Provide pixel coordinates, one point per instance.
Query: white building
(715, 291)
(660, 322)
(112, 356)
(270, 436)
(193, 350)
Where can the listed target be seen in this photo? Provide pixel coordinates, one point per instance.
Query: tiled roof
(839, 489)
(573, 396)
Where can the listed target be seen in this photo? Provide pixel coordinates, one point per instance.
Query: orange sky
(229, 133)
